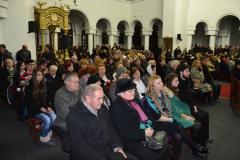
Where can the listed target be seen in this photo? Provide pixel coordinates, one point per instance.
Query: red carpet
(225, 90)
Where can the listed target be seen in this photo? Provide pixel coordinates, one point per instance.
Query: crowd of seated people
(123, 80)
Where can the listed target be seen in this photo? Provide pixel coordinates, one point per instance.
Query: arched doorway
(229, 31)
(137, 36)
(79, 24)
(103, 27)
(155, 42)
(200, 38)
(122, 28)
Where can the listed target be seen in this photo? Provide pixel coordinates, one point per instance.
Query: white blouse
(141, 88)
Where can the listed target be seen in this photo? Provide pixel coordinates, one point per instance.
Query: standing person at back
(23, 54)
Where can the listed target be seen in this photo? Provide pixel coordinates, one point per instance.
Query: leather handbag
(157, 141)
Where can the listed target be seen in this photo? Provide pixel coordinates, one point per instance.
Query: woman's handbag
(157, 141)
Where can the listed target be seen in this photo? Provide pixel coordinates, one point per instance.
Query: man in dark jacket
(92, 136)
(186, 95)
(48, 54)
(4, 53)
(24, 54)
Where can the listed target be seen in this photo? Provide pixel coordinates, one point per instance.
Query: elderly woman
(159, 110)
(132, 124)
(199, 80)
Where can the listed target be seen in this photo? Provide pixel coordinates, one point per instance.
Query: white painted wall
(178, 16)
(146, 11)
(1, 38)
(15, 27)
(210, 11)
(3, 8)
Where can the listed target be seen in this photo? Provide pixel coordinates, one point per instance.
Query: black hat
(93, 79)
(124, 84)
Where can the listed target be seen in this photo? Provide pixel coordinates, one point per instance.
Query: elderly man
(92, 136)
(66, 97)
(54, 82)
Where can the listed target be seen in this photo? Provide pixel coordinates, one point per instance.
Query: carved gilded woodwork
(51, 17)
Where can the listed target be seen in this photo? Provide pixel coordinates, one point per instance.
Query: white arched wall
(133, 25)
(144, 11)
(79, 22)
(102, 25)
(159, 24)
(228, 30)
(200, 37)
(126, 32)
(204, 10)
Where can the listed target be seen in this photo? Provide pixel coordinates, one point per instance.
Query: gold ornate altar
(48, 19)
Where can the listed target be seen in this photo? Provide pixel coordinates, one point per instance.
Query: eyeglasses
(131, 90)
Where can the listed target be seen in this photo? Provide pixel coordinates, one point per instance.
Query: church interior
(103, 42)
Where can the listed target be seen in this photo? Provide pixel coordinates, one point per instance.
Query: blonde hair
(151, 93)
(194, 64)
(150, 85)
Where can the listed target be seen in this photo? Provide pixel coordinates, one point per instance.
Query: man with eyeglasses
(65, 98)
(91, 133)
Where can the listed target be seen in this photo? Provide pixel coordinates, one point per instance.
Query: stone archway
(122, 28)
(200, 38)
(103, 28)
(137, 35)
(79, 24)
(228, 31)
(156, 36)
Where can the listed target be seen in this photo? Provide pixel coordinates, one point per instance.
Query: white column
(189, 41)
(55, 41)
(190, 33)
(111, 39)
(90, 33)
(146, 35)
(90, 43)
(111, 36)
(129, 41)
(212, 42)
(212, 32)
(146, 42)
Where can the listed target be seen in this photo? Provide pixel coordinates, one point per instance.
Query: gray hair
(90, 91)
(69, 76)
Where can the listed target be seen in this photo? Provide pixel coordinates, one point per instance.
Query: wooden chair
(235, 95)
(34, 128)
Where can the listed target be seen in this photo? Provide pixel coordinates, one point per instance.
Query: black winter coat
(91, 137)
